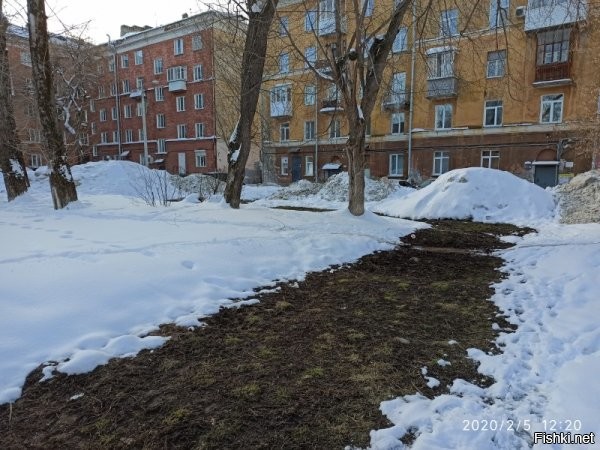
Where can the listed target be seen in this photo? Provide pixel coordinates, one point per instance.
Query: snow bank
(579, 200)
(483, 195)
(336, 188)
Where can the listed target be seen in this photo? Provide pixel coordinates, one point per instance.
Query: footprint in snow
(188, 264)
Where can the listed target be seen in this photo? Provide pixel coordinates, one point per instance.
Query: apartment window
(490, 159)
(127, 111)
(397, 122)
(180, 103)
(309, 166)
(284, 26)
(126, 88)
(34, 135)
(158, 66)
(198, 75)
(138, 57)
(441, 163)
(113, 89)
(200, 158)
(93, 127)
(181, 131)
(334, 129)
(29, 109)
(498, 13)
(398, 88)
(159, 94)
(310, 94)
(552, 108)
(396, 165)
(310, 56)
(400, 41)
(101, 91)
(309, 130)
(284, 165)
(113, 113)
(124, 61)
(199, 127)
(369, 8)
(178, 46)
(111, 65)
(496, 62)
(83, 139)
(196, 42)
(139, 110)
(284, 132)
(92, 105)
(493, 113)
(161, 121)
(94, 150)
(310, 20)
(443, 117)
(440, 65)
(161, 146)
(36, 160)
(198, 101)
(115, 136)
(284, 63)
(139, 83)
(103, 115)
(449, 23)
(177, 73)
(104, 137)
(140, 134)
(128, 135)
(553, 46)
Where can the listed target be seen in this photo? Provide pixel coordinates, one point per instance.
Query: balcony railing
(395, 102)
(177, 86)
(553, 72)
(442, 87)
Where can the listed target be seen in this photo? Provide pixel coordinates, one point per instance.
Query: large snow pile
(579, 200)
(299, 189)
(479, 194)
(336, 188)
(203, 185)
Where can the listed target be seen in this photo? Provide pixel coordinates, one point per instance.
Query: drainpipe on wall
(117, 103)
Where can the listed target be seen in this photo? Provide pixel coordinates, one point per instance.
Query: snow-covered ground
(88, 282)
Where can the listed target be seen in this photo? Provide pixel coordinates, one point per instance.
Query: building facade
(167, 95)
(497, 84)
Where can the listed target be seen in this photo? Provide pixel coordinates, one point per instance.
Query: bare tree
(260, 16)
(62, 185)
(11, 157)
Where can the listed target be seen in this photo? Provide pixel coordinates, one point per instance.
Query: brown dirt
(305, 368)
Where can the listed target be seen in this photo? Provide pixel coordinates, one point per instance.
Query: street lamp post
(144, 127)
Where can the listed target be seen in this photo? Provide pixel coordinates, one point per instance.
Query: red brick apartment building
(186, 72)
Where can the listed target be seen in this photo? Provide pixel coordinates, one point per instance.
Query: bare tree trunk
(62, 186)
(11, 157)
(355, 150)
(253, 63)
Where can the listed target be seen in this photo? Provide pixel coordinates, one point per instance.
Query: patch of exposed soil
(305, 368)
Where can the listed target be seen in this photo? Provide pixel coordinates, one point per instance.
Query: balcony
(395, 102)
(554, 74)
(442, 87)
(330, 105)
(554, 13)
(281, 109)
(177, 86)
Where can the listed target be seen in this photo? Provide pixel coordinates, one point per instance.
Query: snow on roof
(445, 48)
(331, 166)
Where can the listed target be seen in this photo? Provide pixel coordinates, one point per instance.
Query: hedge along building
(495, 84)
(184, 74)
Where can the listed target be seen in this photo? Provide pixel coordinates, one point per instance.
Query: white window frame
(494, 107)
(284, 132)
(440, 157)
(35, 160)
(200, 158)
(128, 135)
(198, 101)
(496, 64)
(499, 15)
(397, 120)
(127, 112)
(443, 116)
(161, 120)
(310, 56)
(400, 41)
(124, 61)
(103, 115)
(197, 42)
(396, 165)
(180, 103)
(309, 166)
(490, 158)
(126, 87)
(138, 109)
(198, 72)
(161, 146)
(199, 129)
(181, 131)
(158, 66)
(113, 113)
(284, 62)
(449, 22)
(285, 165)
(104, 137)
(552, 102)
(335, 130)
(310, 94)
(115, 136)
(138, 57)
(177, 73)
(159, 94)
(310, 133)
(440, 65)
(178, 46)
(140, 134)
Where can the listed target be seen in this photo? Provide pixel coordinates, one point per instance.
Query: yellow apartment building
(498, 84)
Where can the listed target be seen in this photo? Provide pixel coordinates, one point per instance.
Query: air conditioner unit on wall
(520, 12)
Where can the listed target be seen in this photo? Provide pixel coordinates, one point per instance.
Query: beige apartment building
(498, 84)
